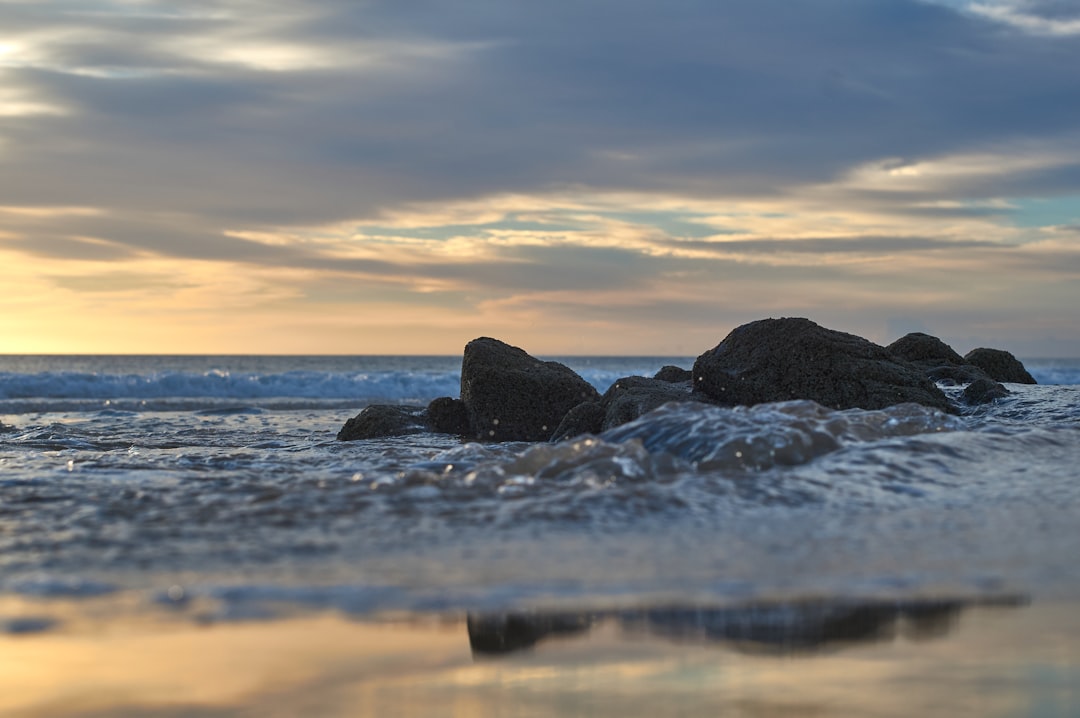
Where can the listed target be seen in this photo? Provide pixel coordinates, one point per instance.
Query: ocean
(205, 499)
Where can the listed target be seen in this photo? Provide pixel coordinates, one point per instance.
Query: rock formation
(673, 374)
(448, 416)
(626, 400)
(1000, 365)
(983, 391)
(783, 359)
(508, 395)
(920, 349)
(940, 363)
(511, 396)
(381, 420)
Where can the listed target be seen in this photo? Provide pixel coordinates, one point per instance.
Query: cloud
(822, 246)
(120, 282)
(432, 103)
(1043, 17)
(482, 153)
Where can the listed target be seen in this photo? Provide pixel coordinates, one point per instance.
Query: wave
(792, 453)
(16, 389)
(73, 391)
(270, 384)
(1056, 372)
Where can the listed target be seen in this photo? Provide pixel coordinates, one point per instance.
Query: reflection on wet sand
(790, 629)
(825, 658)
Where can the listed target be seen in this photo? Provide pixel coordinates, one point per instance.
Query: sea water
(213, 489)
(223, 473)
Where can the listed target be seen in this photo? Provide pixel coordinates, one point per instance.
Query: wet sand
(948, 659)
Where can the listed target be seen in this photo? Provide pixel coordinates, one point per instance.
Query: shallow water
(211, 491)
(934, 658)
(233, 482)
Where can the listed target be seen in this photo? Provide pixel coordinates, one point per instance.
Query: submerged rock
(628, 399)
(585, 418)
(1000, 365)
(448, 416)
(381, 420)
(984, 391)
(512, 396)
(378, 421)
(635, 396)
(793, 358)
(951, 374)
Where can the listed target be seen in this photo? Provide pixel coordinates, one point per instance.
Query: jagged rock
(585, 418)
(920, 348)
(1000, 365)
(381, 420)
(983, 391)
(793, 358)
(673, 374)
(4, 428)
(448, 416)
(512, 396)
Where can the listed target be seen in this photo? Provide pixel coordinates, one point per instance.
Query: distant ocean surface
(220, 477)
(33, 384)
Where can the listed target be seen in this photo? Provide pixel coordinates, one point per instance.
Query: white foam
(387, 385)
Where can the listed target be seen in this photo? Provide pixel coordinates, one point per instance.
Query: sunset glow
(366, 179)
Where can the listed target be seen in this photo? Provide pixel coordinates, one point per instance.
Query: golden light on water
(992, 662)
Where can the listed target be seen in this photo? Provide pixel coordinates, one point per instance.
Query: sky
(572, 176)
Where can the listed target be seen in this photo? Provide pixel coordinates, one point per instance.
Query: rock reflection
(509, 632)
(775, 628)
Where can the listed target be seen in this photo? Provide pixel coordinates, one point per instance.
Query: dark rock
(919, 348)
(962, 374)
(585, 418)
(674, 374)
(4, 428)
(784, 359)
(448, 416)
(984, 391)
(511, 396)
(941, 364)
(1000, 365)
(381, 420)
(628, 399)
(633, 396)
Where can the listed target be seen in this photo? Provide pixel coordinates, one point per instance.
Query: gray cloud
(183, 125)
(692, 97)
(61, 247)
